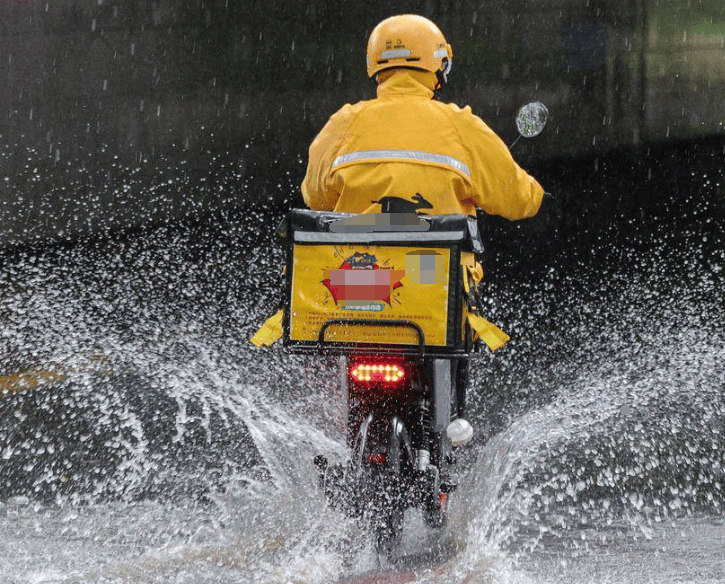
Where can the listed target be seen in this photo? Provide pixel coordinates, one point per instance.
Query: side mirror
(531, 119)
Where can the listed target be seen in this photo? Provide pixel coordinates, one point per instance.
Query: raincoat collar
(407, 82)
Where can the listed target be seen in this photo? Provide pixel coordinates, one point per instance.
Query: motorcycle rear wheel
(387, 511)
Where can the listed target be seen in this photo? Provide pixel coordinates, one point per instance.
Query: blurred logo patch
(361, 284)
(425, 266)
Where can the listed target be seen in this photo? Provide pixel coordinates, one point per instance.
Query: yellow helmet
(408, 40)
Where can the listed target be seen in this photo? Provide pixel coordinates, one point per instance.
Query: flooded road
(142, 439)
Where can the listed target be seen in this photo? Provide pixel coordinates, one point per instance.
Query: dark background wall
(119, 113)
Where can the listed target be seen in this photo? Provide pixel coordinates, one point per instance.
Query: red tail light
(379, 372)
(377, 458)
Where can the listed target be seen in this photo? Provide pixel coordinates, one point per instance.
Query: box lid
(384, 228)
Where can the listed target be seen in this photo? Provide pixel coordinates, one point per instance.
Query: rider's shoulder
(455, 108)
(465, 113)
(351, 109)
(465, 118)
(347, 113)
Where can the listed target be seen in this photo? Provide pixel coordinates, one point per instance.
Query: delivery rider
(405, 151)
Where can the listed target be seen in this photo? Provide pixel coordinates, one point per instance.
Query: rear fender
(384, 434)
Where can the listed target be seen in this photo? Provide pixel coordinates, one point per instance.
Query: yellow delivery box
(390, 280)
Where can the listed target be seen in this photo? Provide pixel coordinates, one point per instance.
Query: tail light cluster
(387, 373)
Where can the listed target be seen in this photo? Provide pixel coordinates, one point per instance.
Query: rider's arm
(500, 185)
(318, 188)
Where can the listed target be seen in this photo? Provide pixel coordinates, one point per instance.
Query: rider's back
(406, 152)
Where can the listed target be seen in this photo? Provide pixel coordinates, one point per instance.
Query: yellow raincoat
(406, 152)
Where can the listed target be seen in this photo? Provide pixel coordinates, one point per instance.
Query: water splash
(619, 431)
(166, 448)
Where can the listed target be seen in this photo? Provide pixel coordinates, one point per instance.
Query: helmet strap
(442, 74)
(442, 80)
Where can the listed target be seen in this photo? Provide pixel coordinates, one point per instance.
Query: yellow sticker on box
(359, 282)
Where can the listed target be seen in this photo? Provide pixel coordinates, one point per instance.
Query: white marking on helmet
(440, 53)
(396, 54)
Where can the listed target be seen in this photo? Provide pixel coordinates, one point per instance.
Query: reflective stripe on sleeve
(404, 155)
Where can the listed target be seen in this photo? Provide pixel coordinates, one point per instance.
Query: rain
(149, 151)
